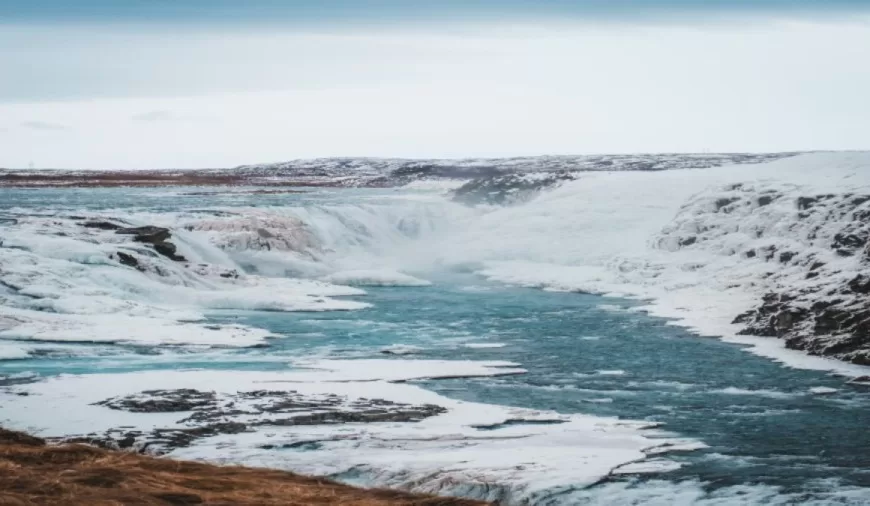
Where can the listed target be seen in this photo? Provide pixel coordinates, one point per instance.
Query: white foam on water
(442, 185)
(697, 493)
(381, 277)
(771, 394)
(120, 328)
(397, 370)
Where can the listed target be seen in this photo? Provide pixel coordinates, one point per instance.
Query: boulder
(167, 249)
(102, 225)
(147, 234)
(127, 259)
(158, 237)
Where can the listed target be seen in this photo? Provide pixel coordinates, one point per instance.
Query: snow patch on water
(614, 372)
(13, 351)
(381, 277)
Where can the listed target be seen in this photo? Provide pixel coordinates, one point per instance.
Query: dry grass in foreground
(34, 473)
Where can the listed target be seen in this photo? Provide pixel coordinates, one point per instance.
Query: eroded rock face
(808, 253)
(158, 237)
(101, 225)
(505, 189)
(205, 414)
(127, 259)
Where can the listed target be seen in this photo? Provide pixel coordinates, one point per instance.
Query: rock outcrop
(508, 189)
(208, 414)
(808, 257)
(157, 237)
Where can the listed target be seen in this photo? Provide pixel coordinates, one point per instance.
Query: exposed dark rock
(765, 200)
(860, 284)
(505, 189)
(147, 234)
(168, 250)
(102, 225)
(846, 244)
(839, 327)
(725, 202)
(127, 259)
(212, 414)
(517, 421)
(158, 237)
(688, 241)
(161, 401)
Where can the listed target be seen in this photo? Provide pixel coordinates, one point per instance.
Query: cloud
(43, 125)
(354, 12)
(154, 116)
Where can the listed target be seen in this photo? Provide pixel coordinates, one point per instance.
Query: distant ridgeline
(371, 172)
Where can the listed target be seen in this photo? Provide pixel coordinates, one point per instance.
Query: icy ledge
(349, 420)
(96, 278)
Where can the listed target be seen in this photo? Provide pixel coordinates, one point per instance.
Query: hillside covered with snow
(373, 172)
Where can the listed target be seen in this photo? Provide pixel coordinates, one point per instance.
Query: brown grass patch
(33, 473)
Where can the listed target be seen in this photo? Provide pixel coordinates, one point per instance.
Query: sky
(216, 83)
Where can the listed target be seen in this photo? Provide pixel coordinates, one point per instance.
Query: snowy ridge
(384, 172)
(509, 189)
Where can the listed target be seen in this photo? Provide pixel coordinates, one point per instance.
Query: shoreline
(34, 471)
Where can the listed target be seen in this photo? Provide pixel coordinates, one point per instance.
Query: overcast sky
(216, 83)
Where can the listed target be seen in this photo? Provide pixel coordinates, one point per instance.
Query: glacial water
(775, 435)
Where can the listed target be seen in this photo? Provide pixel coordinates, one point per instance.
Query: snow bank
(499, 453)
(13, 351)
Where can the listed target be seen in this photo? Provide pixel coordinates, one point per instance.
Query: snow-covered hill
(373, 172)
(385, 172)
